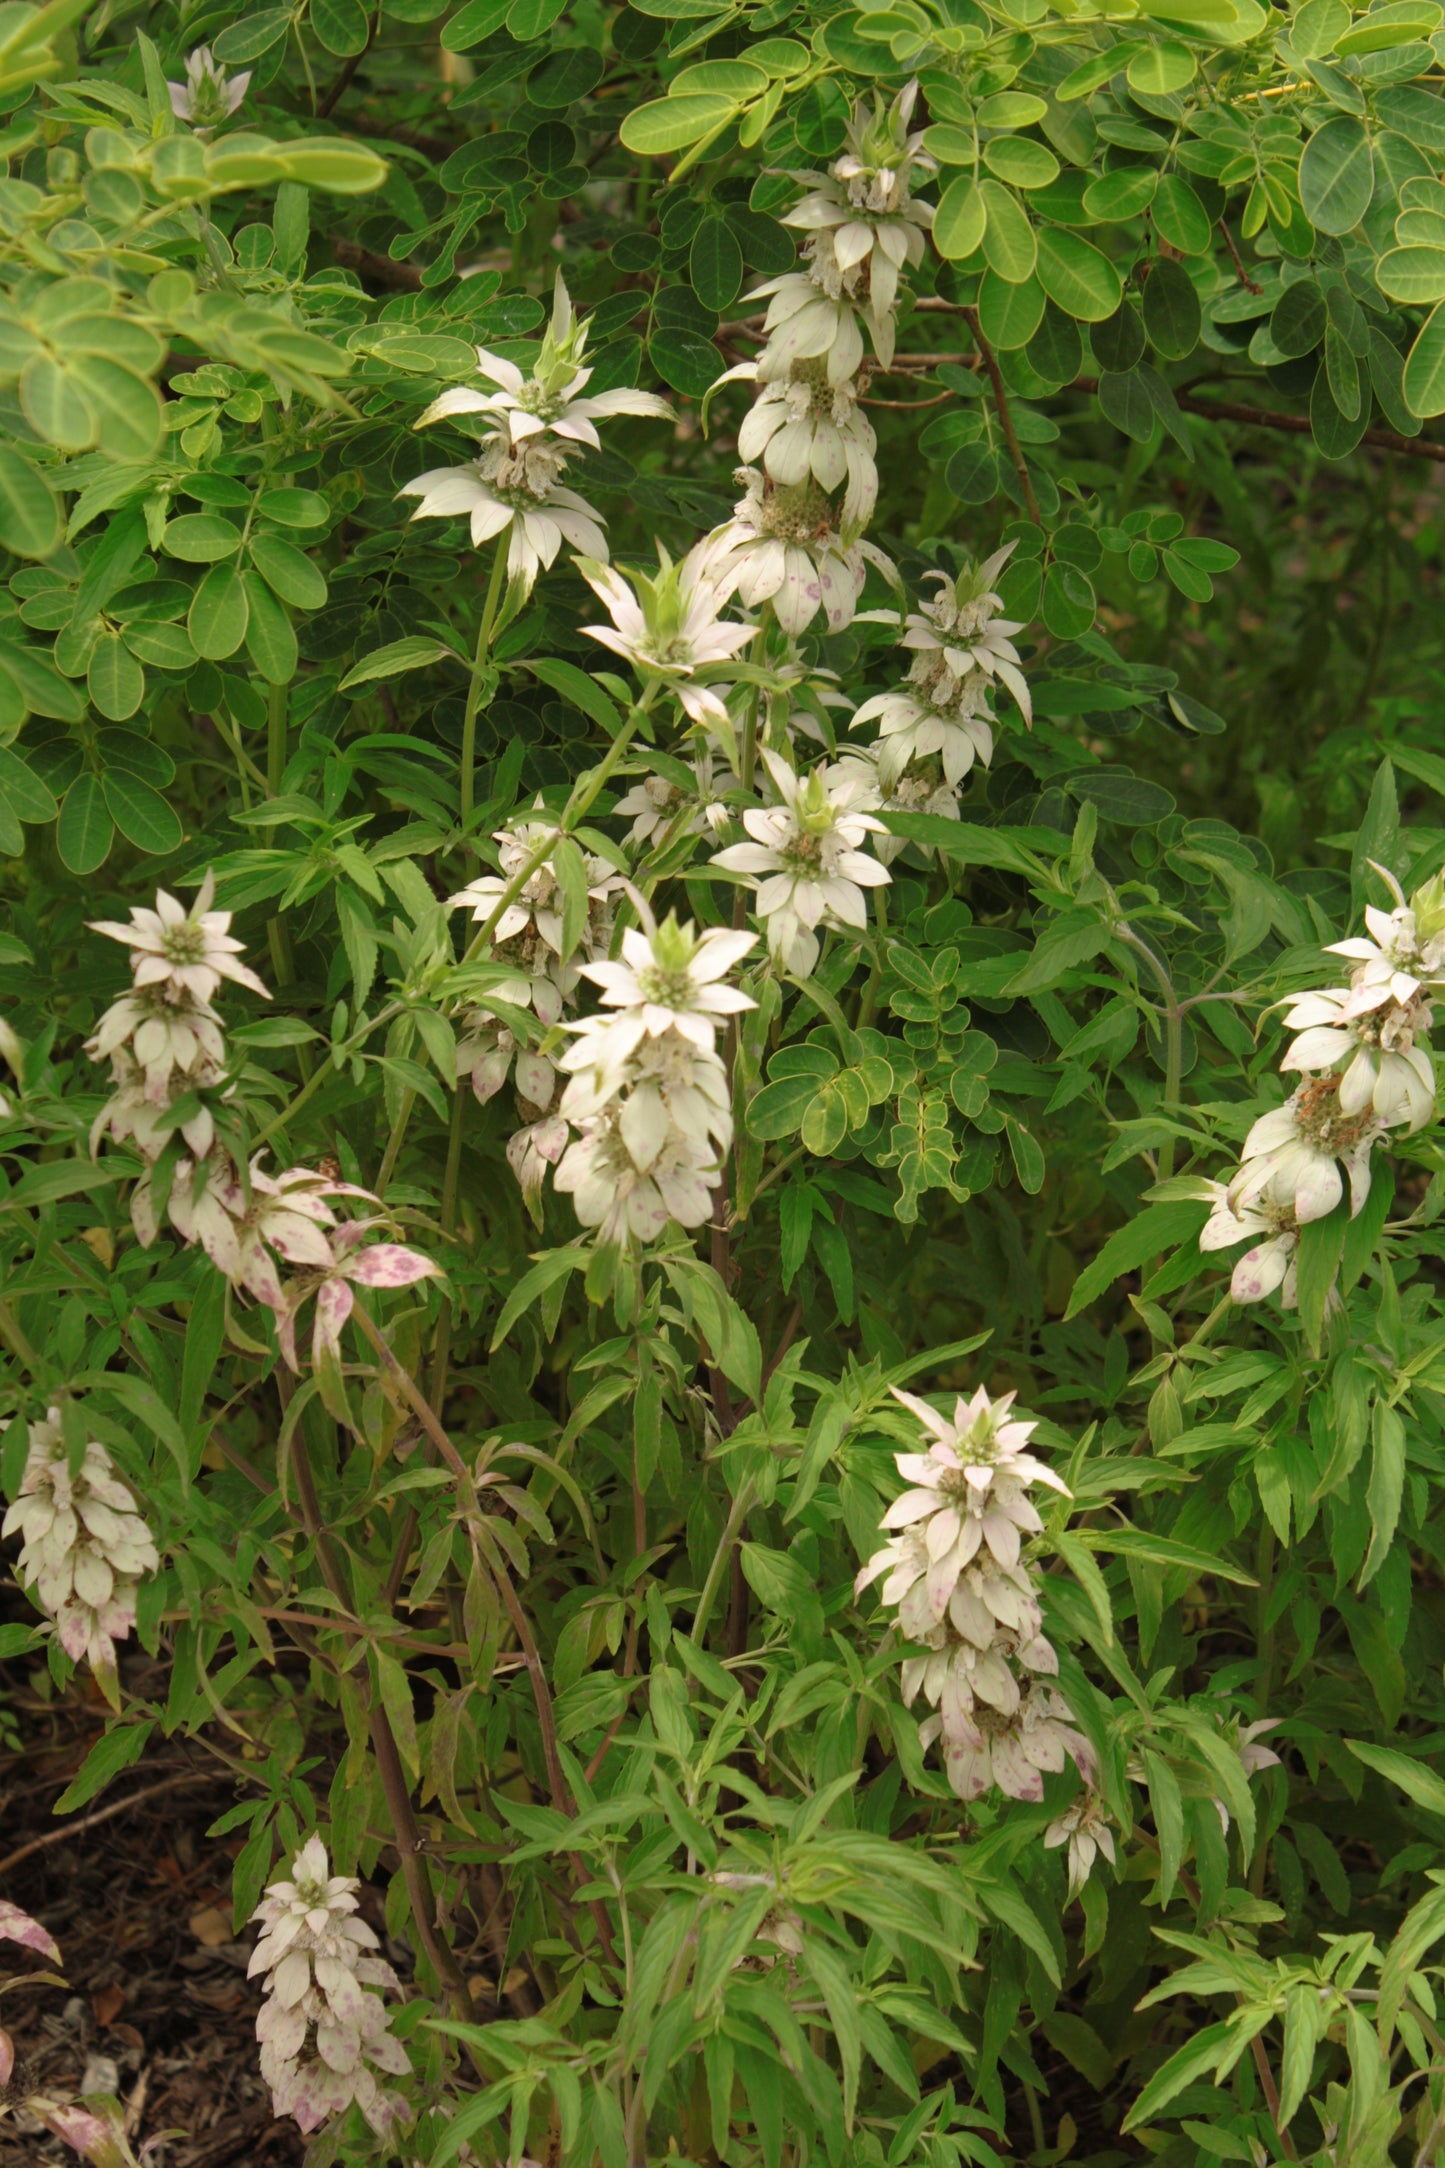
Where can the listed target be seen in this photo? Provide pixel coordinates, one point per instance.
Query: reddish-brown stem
(1006, 420)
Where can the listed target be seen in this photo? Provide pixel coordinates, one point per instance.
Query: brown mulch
(156, 2007)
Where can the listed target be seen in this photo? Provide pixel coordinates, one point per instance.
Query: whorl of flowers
(669, 625)
(324, 2034)
(166, 1046)
(805, 860)
(1364, 1055)
(810, 475)
(955, 1572)
(84, 1546)
(534, 973)
(533, 425)
(934, 727)
(208, 95)
(647, 1086)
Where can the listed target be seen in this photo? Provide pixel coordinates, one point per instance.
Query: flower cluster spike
(933, 728)
(955, 1570)
(537, 970)
(1363, 1054)
(647, 1087)
(805, 860)
(532, 426)
(84, 1546)
(324, 2034)
(810, 477)
(166, 1046)
(208, 95)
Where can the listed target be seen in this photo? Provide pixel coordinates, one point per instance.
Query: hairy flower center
(1320, 1122)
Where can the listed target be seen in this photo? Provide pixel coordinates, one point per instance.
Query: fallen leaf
(211, 1926)
(107, 2003)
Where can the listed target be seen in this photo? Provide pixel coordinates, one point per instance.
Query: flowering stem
(408, 1839)
(585, 792)
(1173, 1036)
(478, 679)
(314, 1082)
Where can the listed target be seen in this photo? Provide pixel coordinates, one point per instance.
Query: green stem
(278, 933)
(1173, 1035)
(441, 1356)
(314, 1082)
(474, 689)
(742, 1506)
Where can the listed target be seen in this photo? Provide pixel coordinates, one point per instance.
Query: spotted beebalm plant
(703, 1264)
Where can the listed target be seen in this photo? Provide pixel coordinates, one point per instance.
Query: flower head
(671, 978)
(625, 1197)
(669, 625)
(807, 427)
(782, 545)
(957, 641)
(208, 95)
(182, 954)
(805, 859)
(1013, 1751)
(1407, 951)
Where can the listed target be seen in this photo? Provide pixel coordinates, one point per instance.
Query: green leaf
(675, 124)
(126, 407)
(340, 25)
(1068, 601)
(30, 516)
(1077, 276)
(270, 640)
(55, 406)
(1180, 218)
(30, 799)
(1321, 1245)
(578, 689)
(1164, 1550)
(201, 538)
(341, 168)
(1337, 175)
(1416, 1779)
(219, 613)
(959, 221)
(684, 359)
(1423, 380)
(413, 653)
(1415, 275)
(1159, 1227)
(287, 572)
(472, 23)
(116, 1749)
(715, 265)
(141, 814)
(115, 680)
(1008, 240)
(84, 832)
(1386, 1487)
(1172, 315)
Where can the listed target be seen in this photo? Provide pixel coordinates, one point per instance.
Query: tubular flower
(968, 1492)
(669, 625)
(955, 638)
(533, 920)
(1084, 1827)
(324, 2035)
(1266, 1265)
(84, 1548)
(1293, 1154)
(550, 400)
(384, 1264)
(806, 860)
(1380, 1046)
